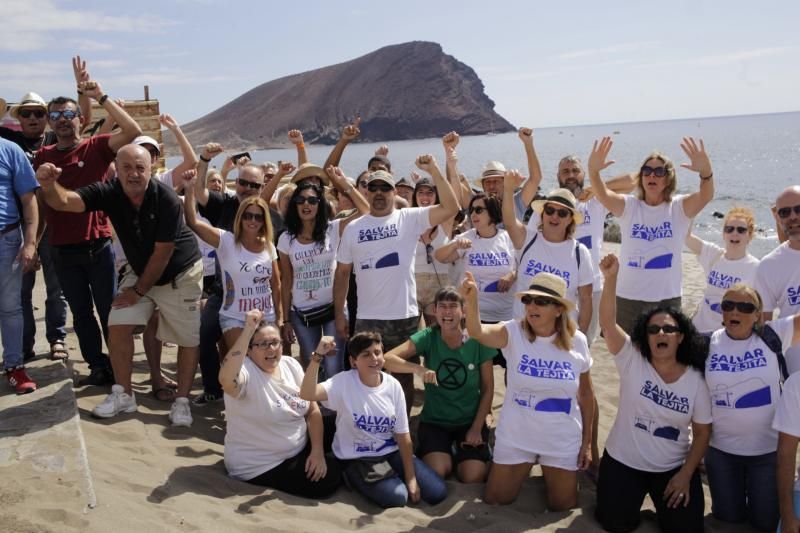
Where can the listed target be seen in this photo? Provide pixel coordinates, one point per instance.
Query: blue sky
(543, 63)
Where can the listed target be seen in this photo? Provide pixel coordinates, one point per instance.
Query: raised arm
(296, 138)
(531, 185)
(343, 186)
(210, 151)
(598, 160)
(613, 334)
(203, 230)
(448, 206)
(700, 163)
(463, 194)
(231, 365)
(491, 335)
(189, 157)
(514, 227)
(310, 390)
(129, 129)
(54, 194)
(84, 102)
(349, 134)
(269, 188)
(693, 242)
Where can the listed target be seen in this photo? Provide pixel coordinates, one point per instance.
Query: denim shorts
(227, 323)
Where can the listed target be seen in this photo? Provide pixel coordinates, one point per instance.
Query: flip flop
(165, 394)
(58, 351)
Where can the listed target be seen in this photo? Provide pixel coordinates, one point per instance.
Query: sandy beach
(148, 476)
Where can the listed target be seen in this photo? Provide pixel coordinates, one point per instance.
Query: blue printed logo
(720, 362)
(375, 424)
(665, 397)
(544, 368)
(377, 234)
(662, 432)
(551, 401)
(488, 259)
(745, 395)
(723, 281)
(389, 260)
(793, 294)
(586, 241)
(653, 261)
(534, 267)
(652, 233)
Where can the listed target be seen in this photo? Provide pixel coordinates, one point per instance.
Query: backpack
(773, 342)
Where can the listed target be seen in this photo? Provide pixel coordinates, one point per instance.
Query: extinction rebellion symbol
(451, 374)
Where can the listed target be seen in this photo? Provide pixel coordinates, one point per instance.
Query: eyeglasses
(252, 184)
(68, 114)
(362, 184)
(477, 210)
(738, 229)
(26, 113)
(654, 329)
(743, 307)
(784, 212)
(659, 172)
(539, 301)
(562, 213)
(374, 187)
(263, 345)
(312, 200)
(258, 217)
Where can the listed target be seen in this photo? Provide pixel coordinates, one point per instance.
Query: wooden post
(147, 92)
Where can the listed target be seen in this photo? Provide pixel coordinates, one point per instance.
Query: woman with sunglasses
(549, 403)
(248, 262)
(744, 375)
(662, 399)
(372, 438)
(307, 251)
(724, 267)
(430, 274)
(653, 225)
(273, 437)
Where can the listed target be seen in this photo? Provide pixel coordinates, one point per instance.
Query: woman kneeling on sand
(662, 395)
(273, 438)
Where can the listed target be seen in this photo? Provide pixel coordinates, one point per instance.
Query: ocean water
(754, 157)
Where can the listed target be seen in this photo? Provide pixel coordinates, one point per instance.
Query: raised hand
(335, 174)
(382, 150)
(598, 159)
(168, 122)
(609, 266)
(326, 346)
(47, 174)
(468, 288)
(284, 169)
(91, 89)
(252, 319)
(414, 177)
(513, 178)
(295, 137)
(426, 163)
(699, 161)
(79, 70)
(242, 161)
(526, 135)
(188, 178)
(450, 140)
(451, 155)
(212, 150)
(351, 131)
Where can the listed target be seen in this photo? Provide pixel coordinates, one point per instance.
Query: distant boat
(616, 132)
(491, 132)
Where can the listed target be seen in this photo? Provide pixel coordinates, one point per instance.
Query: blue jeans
(86, 279)
(10, 306)
(392, 492)
(210, 333)
(743, 488)
(308, 339)
(55, 314)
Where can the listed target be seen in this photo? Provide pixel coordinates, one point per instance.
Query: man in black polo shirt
(164, 269)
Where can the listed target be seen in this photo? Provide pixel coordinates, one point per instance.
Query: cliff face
(405, 91)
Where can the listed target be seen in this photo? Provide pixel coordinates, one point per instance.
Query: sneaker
(180, 414)
(207, 398)
(115, 403)
(99, 377)
(18, 378)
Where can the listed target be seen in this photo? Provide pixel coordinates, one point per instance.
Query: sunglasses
(784, 212)
(374, 187)
(477, 210)
(68, 114)
(252, 184)
(654, 329)
(312, 200)
(26, 113)
(741, 230)
(743, 307)
(562, 213)
(659, 172)
(266, 344)
(258, 217)
(539, 301)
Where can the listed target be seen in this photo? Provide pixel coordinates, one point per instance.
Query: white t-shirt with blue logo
(778, 283)
(313, 265)
(556, 258)
(650, 254)
(743, 377)
(382, 252)
(721, 275)
(787, 416)
(651, 430)
(489, 259)
(540, 412)
(367, 418)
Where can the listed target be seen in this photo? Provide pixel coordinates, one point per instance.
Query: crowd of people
(379, 279)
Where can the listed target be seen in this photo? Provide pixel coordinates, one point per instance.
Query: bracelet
(204, 159)
(317, 357)
(707, 177)
(136, 290)
(103, 99)
(301, 145)
(349, 190)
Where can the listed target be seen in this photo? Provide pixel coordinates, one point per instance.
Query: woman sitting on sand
(547, 413)
(372, 437)
(273, 437)
(653, 226)
(744, 372)
(459, 385)
(724, 267)
(662, 395)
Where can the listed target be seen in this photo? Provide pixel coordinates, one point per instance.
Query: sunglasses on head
(478, 209)
(659, 172)
(384, 187)
(266, 344)
(738, 229)
(26, 113)
(258, 217)
(562, 213)
(252, 184)
(742, 307)
(654, 329)
(312, 200)
(539, 301)
(784, 212)
(68, 114)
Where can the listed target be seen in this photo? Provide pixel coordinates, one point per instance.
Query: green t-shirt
(454, 401)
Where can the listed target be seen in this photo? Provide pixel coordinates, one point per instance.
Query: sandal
(165, 394)
(58, 351)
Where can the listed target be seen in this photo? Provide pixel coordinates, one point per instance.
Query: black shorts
(436, 438)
